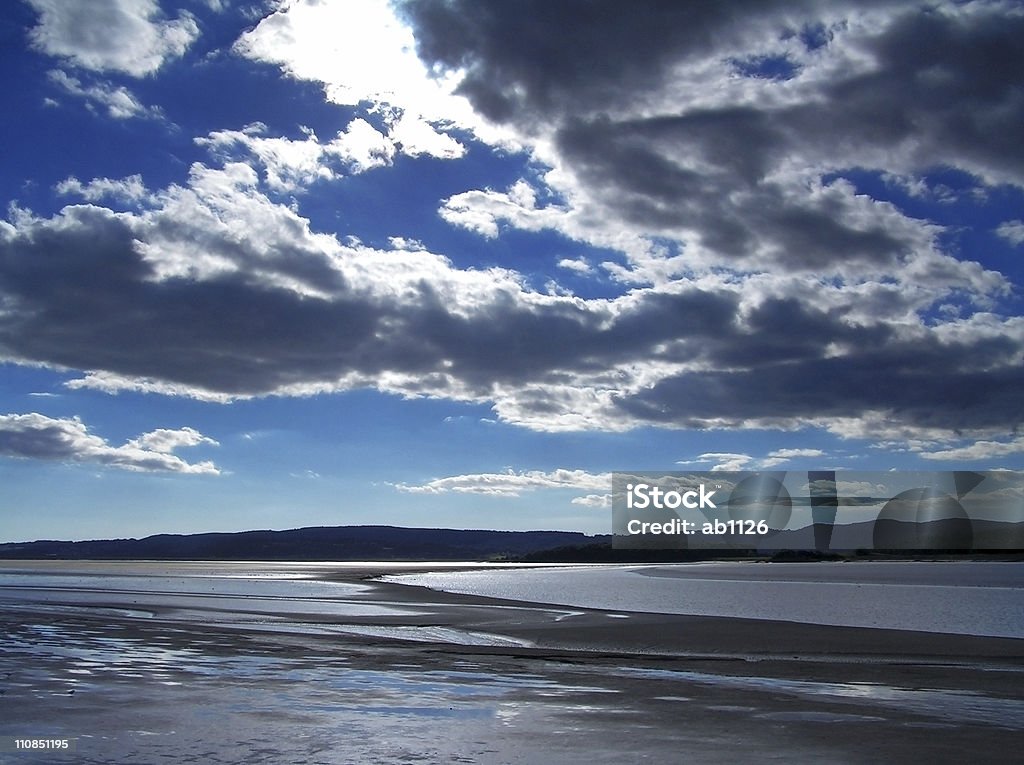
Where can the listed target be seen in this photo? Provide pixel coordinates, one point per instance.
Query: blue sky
(268, 265)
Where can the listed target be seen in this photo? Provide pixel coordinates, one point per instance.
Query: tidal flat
(149, 662)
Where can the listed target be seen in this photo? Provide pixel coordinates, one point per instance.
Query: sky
(266, 265)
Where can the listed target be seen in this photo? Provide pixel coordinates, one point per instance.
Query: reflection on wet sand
(156, 665)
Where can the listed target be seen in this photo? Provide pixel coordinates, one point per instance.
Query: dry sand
(143, 679)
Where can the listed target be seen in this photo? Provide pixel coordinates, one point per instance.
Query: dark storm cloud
(944, 89)
(953, 86)
(78, 293)
(211, 289)
(719, 124)
(784, 330)
(566, 57)
(925, 387)
(89, 290)
(633, 168)
(957, 77)
(772, 369)
(510, 343)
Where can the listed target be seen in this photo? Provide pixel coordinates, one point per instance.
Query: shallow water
(960, 597)
(184, 695)
(220, 663)
(948, 706)
(175, 696)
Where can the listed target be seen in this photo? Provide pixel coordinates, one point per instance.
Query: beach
(321, 663)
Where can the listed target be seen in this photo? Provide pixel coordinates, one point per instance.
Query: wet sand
(380, 672)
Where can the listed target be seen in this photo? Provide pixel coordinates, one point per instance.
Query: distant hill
(335, 543)
(393, 543)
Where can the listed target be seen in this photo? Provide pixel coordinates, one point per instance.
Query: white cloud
(593, 500)
(579, 265)
(362, 52)
(722, 461)
(731, 461)
(165, 441)
(112, 35)
(791, 453)
(979, 450)
(512, 484)
(362, 146)
(1012, 231)
(483, 211)
(415, 136)
(36, 436)
(118, 101)
(290, 165)
(887, 430)
(130, 189)
(782, 456)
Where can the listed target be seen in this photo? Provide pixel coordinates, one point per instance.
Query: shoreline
(591, 686)
(571, 627)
